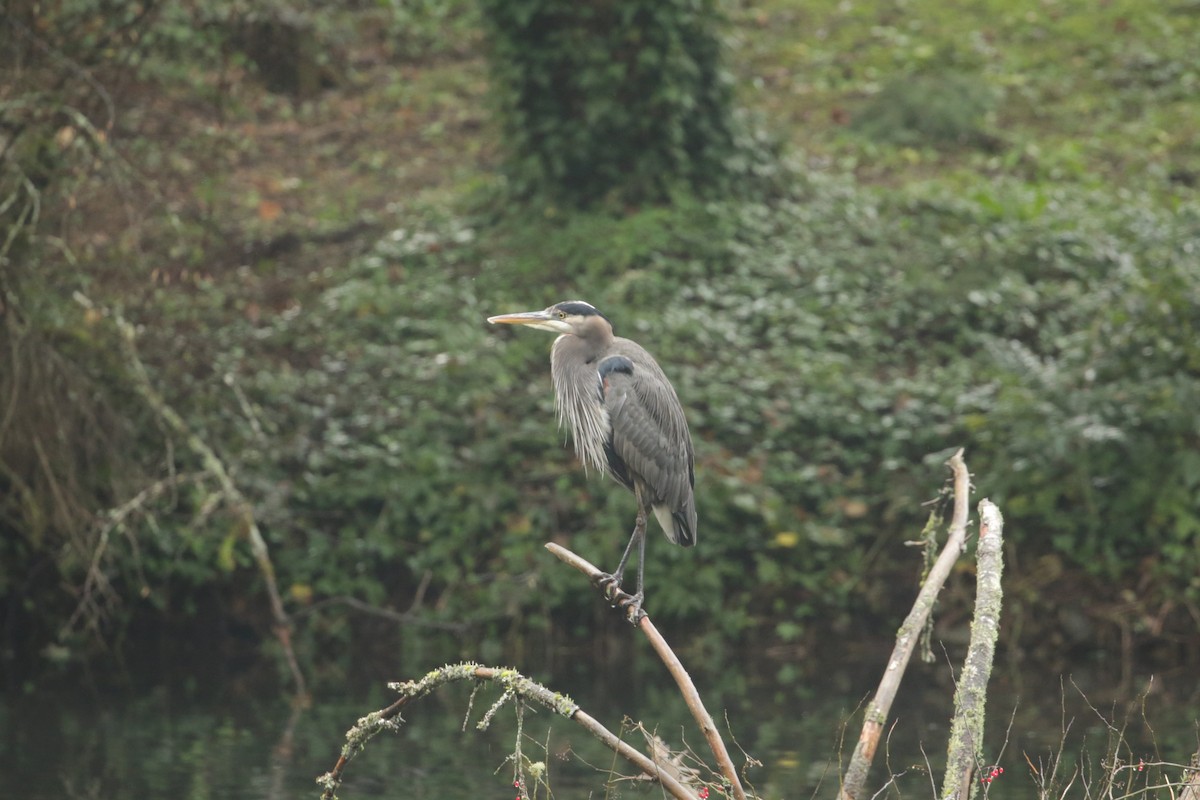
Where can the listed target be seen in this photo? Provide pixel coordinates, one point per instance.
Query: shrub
(936, 110)
(611, 101)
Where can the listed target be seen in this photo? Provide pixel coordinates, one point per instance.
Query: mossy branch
(215, 467)
(855, 780)
(515, 685)
(966, 730)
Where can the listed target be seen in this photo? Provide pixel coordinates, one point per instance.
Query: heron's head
(573, 317)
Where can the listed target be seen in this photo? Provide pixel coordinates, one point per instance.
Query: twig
(907, 637)
(966, 730)
(399, 617)
(682, 679)
(95, 580)
(513, 683)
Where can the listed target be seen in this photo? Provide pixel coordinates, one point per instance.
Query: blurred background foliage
(613, 102)
(924, 235)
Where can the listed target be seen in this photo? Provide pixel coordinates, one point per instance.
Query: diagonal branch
(215, 467)
(674, 666)
(906, 639)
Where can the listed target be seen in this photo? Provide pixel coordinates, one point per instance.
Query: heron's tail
(679, 524)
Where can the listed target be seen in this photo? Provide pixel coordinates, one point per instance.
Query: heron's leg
(639, 536)
(611, 584)
(630, 604)
(641, 594)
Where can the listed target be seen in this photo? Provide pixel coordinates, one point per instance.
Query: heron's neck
(591, 343)
(574, 349)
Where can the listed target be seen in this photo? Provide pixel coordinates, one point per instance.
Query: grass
(1099, 94)
(1102, 96)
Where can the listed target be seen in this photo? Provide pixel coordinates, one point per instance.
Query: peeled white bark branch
(853, 784)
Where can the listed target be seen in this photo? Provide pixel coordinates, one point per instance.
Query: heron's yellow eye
(562, 315)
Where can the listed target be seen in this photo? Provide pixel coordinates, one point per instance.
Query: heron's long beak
(541, 320)
(524, 318)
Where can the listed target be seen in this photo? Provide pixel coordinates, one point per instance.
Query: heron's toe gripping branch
(629, 604)
(632, 606)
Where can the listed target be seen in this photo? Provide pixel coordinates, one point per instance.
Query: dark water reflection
(183, 736)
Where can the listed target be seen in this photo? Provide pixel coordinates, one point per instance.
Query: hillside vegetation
(962, 226)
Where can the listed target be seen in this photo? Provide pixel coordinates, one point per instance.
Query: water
(198, 733)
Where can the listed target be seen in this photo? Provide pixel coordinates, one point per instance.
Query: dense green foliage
(833, 339)
(830, 346)
(619, 102)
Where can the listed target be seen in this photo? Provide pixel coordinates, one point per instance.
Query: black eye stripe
(577, 308)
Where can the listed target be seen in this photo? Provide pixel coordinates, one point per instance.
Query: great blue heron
(625, 420)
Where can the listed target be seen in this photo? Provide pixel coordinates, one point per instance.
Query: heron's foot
(610, 585)
(631, 605)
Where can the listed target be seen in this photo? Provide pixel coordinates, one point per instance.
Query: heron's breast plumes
(581, 408)
(585, 416)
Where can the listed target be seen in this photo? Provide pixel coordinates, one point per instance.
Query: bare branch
(877, 712)
(674, 666)
(96, 589)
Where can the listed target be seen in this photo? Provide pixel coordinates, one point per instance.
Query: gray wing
(650, 442)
